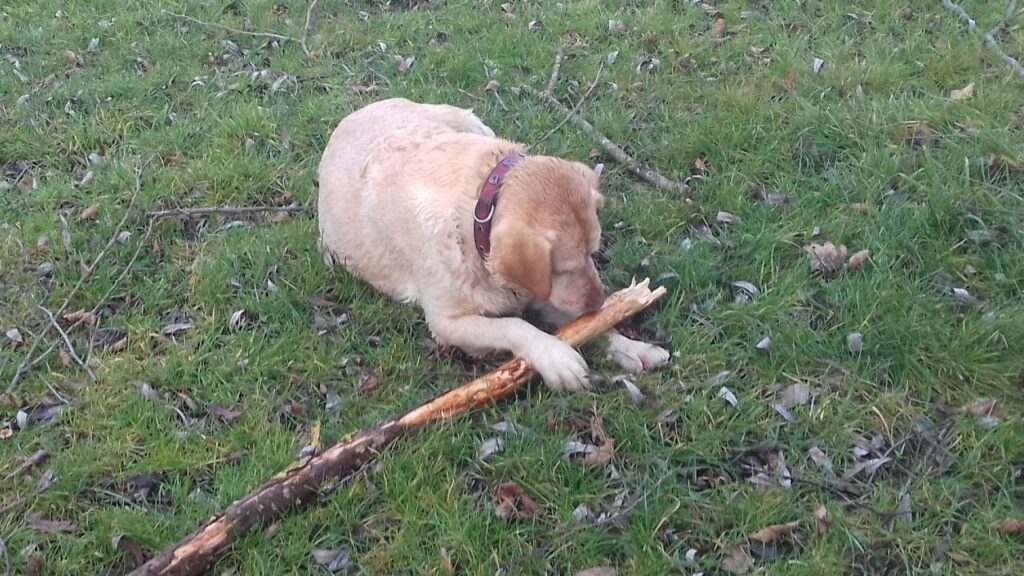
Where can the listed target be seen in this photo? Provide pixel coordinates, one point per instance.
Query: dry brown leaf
(858, 259)
(861, 207)
(65, 359)
(718, 29)
(513, 502)
(280, 217)
(602, 456)
(404, 64)
(770, 534)
(90, 212)
(919, 134)
(790, 81)
(597, 434)
(963, 94)
(80, 316)
(983, 407)
(1011, 526)
(368, 382)
(492, 86)
(822, 521)
(446, 562)
(738, 560)
(826, 259)
(6, 433)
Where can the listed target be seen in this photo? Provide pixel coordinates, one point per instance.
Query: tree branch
(185, 212)
(989, 38)
(274, 35)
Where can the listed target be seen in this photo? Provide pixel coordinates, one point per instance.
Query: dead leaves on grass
(513, 503)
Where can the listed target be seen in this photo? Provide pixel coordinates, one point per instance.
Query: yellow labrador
(425, 204)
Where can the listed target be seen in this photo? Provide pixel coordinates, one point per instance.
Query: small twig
(305, 29)
(67, 342)
(559, 56)
(184, 212)
(29, 463)
(990, 41)
(1011, 12)
(579, 104)
(649, 175)
(28, 361)
(228, 28)
(7, 557)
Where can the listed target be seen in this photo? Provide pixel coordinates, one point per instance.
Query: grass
(218, 132)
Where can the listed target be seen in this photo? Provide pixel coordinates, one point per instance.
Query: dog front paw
(559, 364)
(634, 356)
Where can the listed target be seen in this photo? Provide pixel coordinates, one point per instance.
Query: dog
(427, 205)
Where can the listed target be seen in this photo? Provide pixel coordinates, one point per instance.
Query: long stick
(990, 41)
(301, 482)
(224, 210)
(650, 175)
(228, 28)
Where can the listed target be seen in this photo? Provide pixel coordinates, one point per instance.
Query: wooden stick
(67, 342)
(301, 482)
(597, 78)
(650, 175)
(305, 30)
(228, 28)
(553, 81)
(990, 41)
(184, 212)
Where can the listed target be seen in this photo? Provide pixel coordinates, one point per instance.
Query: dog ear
(593, 177)
(523, 257)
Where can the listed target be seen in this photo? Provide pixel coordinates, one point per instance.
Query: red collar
(483, 214)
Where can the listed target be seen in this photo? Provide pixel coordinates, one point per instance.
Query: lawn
(883, 413)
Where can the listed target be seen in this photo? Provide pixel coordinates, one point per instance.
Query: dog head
(546, 231)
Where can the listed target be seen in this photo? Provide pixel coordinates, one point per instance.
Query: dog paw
(634, 356)
(558, 363)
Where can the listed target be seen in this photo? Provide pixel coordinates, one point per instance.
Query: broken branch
(572, 112)
(305, 29)
(649, 175)
(185, 212)
(274, 35)
(301, 482)
(67, 342)
(553, 81)
(990, 40)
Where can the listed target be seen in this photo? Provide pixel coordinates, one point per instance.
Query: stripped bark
(301, 482)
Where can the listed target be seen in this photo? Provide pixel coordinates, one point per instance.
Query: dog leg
(558, 363)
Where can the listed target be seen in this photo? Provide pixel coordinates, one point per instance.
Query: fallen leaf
(598, 571)
(51, 526)
(719, 28)
(919, 134)
(616, 27)
(14, 336)
(826, 259)
(574, 448)
(90, 212)
(404, 64)
(138, 554)
(855, 342)
(861, 207)
(822, 521)
(42, 244)
(332, 560)
(507, 427)
(719, 379)
(82, 316)
(446, 562)
(964, 296)
(986, 407)
(635, 393)
(489, 447)
(963, 94)
(31, 462)
(795, 395)
(368, 382)
(176, 328)
(904, 510)
(738, 560)
(6, 433)
(821, 460)
(602, 456)
(492, 86)
(228, 415)
(816, 67)
(790, 80)
(726, 218)
(513, 502)
(239, 318)
(858, 259)
(867, 467)
(1011, 526)
(765, 344)
(769, 534)
(726, 394)
(147, 391)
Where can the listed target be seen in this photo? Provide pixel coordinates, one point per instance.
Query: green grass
(824, 143)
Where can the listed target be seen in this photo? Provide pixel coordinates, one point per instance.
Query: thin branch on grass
(572, 112)
(990, 40)
(7, 557)
(553, 81)
(649, 175)
(305, 30)
(274, 35)
(28, 362)
(186, 212)
(67, 342)
(29, 463)
(1011, 13)
(301, 483)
